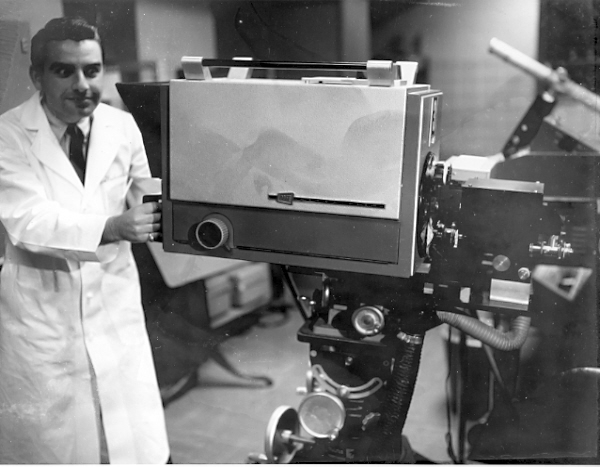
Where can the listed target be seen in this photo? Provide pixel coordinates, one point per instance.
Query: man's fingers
(146, 216)
(148, 208)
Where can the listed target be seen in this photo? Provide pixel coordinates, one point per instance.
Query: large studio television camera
(338, 176)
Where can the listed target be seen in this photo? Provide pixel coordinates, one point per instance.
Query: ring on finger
(150, 237)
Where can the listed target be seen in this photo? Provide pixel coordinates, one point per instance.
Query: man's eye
(92, 72)
(63, 72)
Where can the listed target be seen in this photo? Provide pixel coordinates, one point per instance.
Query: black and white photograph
(299, 231)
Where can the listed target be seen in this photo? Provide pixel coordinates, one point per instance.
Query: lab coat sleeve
(38, 224)
(139, 161)
(141, 179)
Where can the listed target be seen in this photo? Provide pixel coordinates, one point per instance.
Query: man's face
(71, 81)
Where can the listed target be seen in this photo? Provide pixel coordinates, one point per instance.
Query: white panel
(236, 141)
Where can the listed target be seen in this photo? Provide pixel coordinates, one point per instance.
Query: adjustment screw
(524, 274)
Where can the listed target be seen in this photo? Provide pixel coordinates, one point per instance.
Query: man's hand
(136, 225)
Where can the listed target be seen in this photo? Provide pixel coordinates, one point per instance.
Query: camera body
(316, 173)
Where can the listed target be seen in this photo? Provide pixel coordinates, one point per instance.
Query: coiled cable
(495, 338)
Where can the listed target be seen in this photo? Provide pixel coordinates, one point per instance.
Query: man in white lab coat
(76, 371)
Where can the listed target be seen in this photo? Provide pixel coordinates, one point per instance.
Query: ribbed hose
(495, 338)
(401, 386)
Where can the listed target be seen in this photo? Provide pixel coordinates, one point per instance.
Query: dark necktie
(76, 150)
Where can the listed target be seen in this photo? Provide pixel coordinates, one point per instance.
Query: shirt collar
(59, 127)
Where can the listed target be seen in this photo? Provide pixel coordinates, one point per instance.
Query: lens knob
(212, 233)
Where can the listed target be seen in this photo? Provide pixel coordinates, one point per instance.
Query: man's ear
(36, 77)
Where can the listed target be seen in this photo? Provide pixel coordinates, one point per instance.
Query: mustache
(83, 95)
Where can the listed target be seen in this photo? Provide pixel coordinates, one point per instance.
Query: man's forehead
(74, 52)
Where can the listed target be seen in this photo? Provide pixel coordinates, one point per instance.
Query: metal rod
(300, 439)
(283, 65)
(294, 290)
(557, 81)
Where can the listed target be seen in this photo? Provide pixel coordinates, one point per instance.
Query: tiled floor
(224, 418)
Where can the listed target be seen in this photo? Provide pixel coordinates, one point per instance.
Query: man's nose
(80, 82)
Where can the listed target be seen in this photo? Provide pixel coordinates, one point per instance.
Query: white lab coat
(69, 306)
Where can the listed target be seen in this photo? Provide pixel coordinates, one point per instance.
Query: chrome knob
(368, 320)
(524, 274)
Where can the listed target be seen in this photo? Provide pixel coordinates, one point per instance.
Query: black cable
(448, 437)
(496, 371)
(498, 377)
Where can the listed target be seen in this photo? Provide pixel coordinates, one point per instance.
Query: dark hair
(60, 29)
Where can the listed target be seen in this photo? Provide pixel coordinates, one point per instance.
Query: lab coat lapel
(44, 145)
(102, 149)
